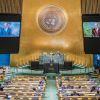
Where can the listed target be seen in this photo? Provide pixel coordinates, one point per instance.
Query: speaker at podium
(51, 68)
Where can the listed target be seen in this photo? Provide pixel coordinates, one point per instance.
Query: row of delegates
(77, 94)
(38, 89)
(70, 87)
(95, 88)
(6, 83)
(42, 82)
(67, 93)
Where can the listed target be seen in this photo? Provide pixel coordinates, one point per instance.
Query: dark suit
(96, 33)
(98, 60)
(6, 32)
(0, 31)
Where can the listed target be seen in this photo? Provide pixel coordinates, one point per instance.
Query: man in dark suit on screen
(0, 31)
(6, 30)
(98, 60)
(96, 31)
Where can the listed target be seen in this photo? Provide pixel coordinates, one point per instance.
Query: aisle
(51, 91)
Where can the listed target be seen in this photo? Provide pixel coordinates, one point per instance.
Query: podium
(51, 68)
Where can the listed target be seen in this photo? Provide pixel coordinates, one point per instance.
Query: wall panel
(11, 6)
(90, 6)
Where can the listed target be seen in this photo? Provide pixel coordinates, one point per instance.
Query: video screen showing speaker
(96, 60)
(91, 33)
(91, 29)
(10, 29)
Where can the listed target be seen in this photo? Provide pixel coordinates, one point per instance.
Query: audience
(34, 89)
(42, 81)
(60, 82)
(8, 82)
(93, 89)
(98, 94)
(1, 87)
(79, 87)
(29, 85)
(75, 94)
(8, 97)
(76, 86)
(66, 78)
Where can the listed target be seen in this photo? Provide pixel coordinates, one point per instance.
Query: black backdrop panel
(91, 44)
(10, 44)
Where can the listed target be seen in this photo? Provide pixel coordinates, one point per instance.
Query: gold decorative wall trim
(33, 41)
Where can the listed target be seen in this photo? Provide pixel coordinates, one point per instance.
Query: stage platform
(26, 70)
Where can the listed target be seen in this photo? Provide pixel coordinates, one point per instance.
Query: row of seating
(25, 88)
(78, 87)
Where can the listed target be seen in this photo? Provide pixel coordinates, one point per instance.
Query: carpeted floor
(51, 91)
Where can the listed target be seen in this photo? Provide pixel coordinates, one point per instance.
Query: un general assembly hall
(49, 49)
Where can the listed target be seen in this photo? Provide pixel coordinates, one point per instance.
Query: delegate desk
(68, 64)
(35, 65)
